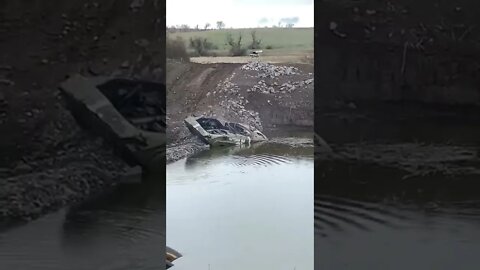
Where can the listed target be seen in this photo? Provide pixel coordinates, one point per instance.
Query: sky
(240, 13)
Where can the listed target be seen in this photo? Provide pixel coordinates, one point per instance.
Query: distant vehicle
(256, 53)
(214, 133)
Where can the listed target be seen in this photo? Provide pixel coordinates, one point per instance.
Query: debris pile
(226, 86)
(267, 70)
(235, 103)
(288, 87)
(142, 106)
(78, 168)
(184, 149)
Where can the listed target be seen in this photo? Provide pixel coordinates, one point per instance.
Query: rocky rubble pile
(185, 149)
(266, 70)
(65, 165)
(226, 86)
(35, 187)
(31, 195)
(275, 88)
(234, 103)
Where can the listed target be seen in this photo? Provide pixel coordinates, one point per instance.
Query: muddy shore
(415, 148)
(398, 92)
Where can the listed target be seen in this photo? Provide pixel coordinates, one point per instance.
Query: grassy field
(304, 57)
(280, 39)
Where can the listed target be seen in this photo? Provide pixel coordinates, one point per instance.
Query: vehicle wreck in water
(214, 133)
(129, 114)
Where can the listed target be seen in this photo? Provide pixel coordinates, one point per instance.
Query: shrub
(236, 48)
(202, 46)
(256, 43)
(176, 49)
(269, 47)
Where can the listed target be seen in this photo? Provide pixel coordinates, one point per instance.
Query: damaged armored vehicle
(128, 113)
(213, 132)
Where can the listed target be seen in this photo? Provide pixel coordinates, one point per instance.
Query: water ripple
(343, 214)
(260, 160)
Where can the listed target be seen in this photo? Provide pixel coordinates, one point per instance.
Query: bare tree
(255, 42)
(220, 25)
(202, 46)
(207, 25)
(236, 48)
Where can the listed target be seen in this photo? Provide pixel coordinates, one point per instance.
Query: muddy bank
(413, 159)
(398, 90)
(414, 151)
(260, 94)
(47, 160)
(412, 51)
(183, 149)
(76, 167)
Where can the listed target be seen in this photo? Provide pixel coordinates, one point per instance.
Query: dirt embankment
(257, 93)
(410, 51)
(383, 66)
(47, 161)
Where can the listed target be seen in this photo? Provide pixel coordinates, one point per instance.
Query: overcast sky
(240, 13)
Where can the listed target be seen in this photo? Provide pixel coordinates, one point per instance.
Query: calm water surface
(122, 230)
(383, 222)
(242, 208)
(381, 233)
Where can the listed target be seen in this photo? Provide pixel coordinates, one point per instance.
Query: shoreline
(73, 168)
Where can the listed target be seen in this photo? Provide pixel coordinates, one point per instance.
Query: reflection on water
(242, 208)
(369, 216)
(121, 230)
(341, 214)
(372, 233)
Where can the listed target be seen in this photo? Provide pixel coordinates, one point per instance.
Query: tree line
(187, 28)
(177, 48)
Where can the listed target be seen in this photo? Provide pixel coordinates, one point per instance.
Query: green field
(300, 39)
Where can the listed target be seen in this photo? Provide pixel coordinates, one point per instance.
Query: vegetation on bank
(176, 49)
(237, 42)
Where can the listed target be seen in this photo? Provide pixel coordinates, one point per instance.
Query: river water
(384, 232)
(122, 230)
(247, 208)
(368, 217)
(229, 209)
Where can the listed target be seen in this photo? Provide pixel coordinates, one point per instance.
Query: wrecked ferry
(214, 133)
